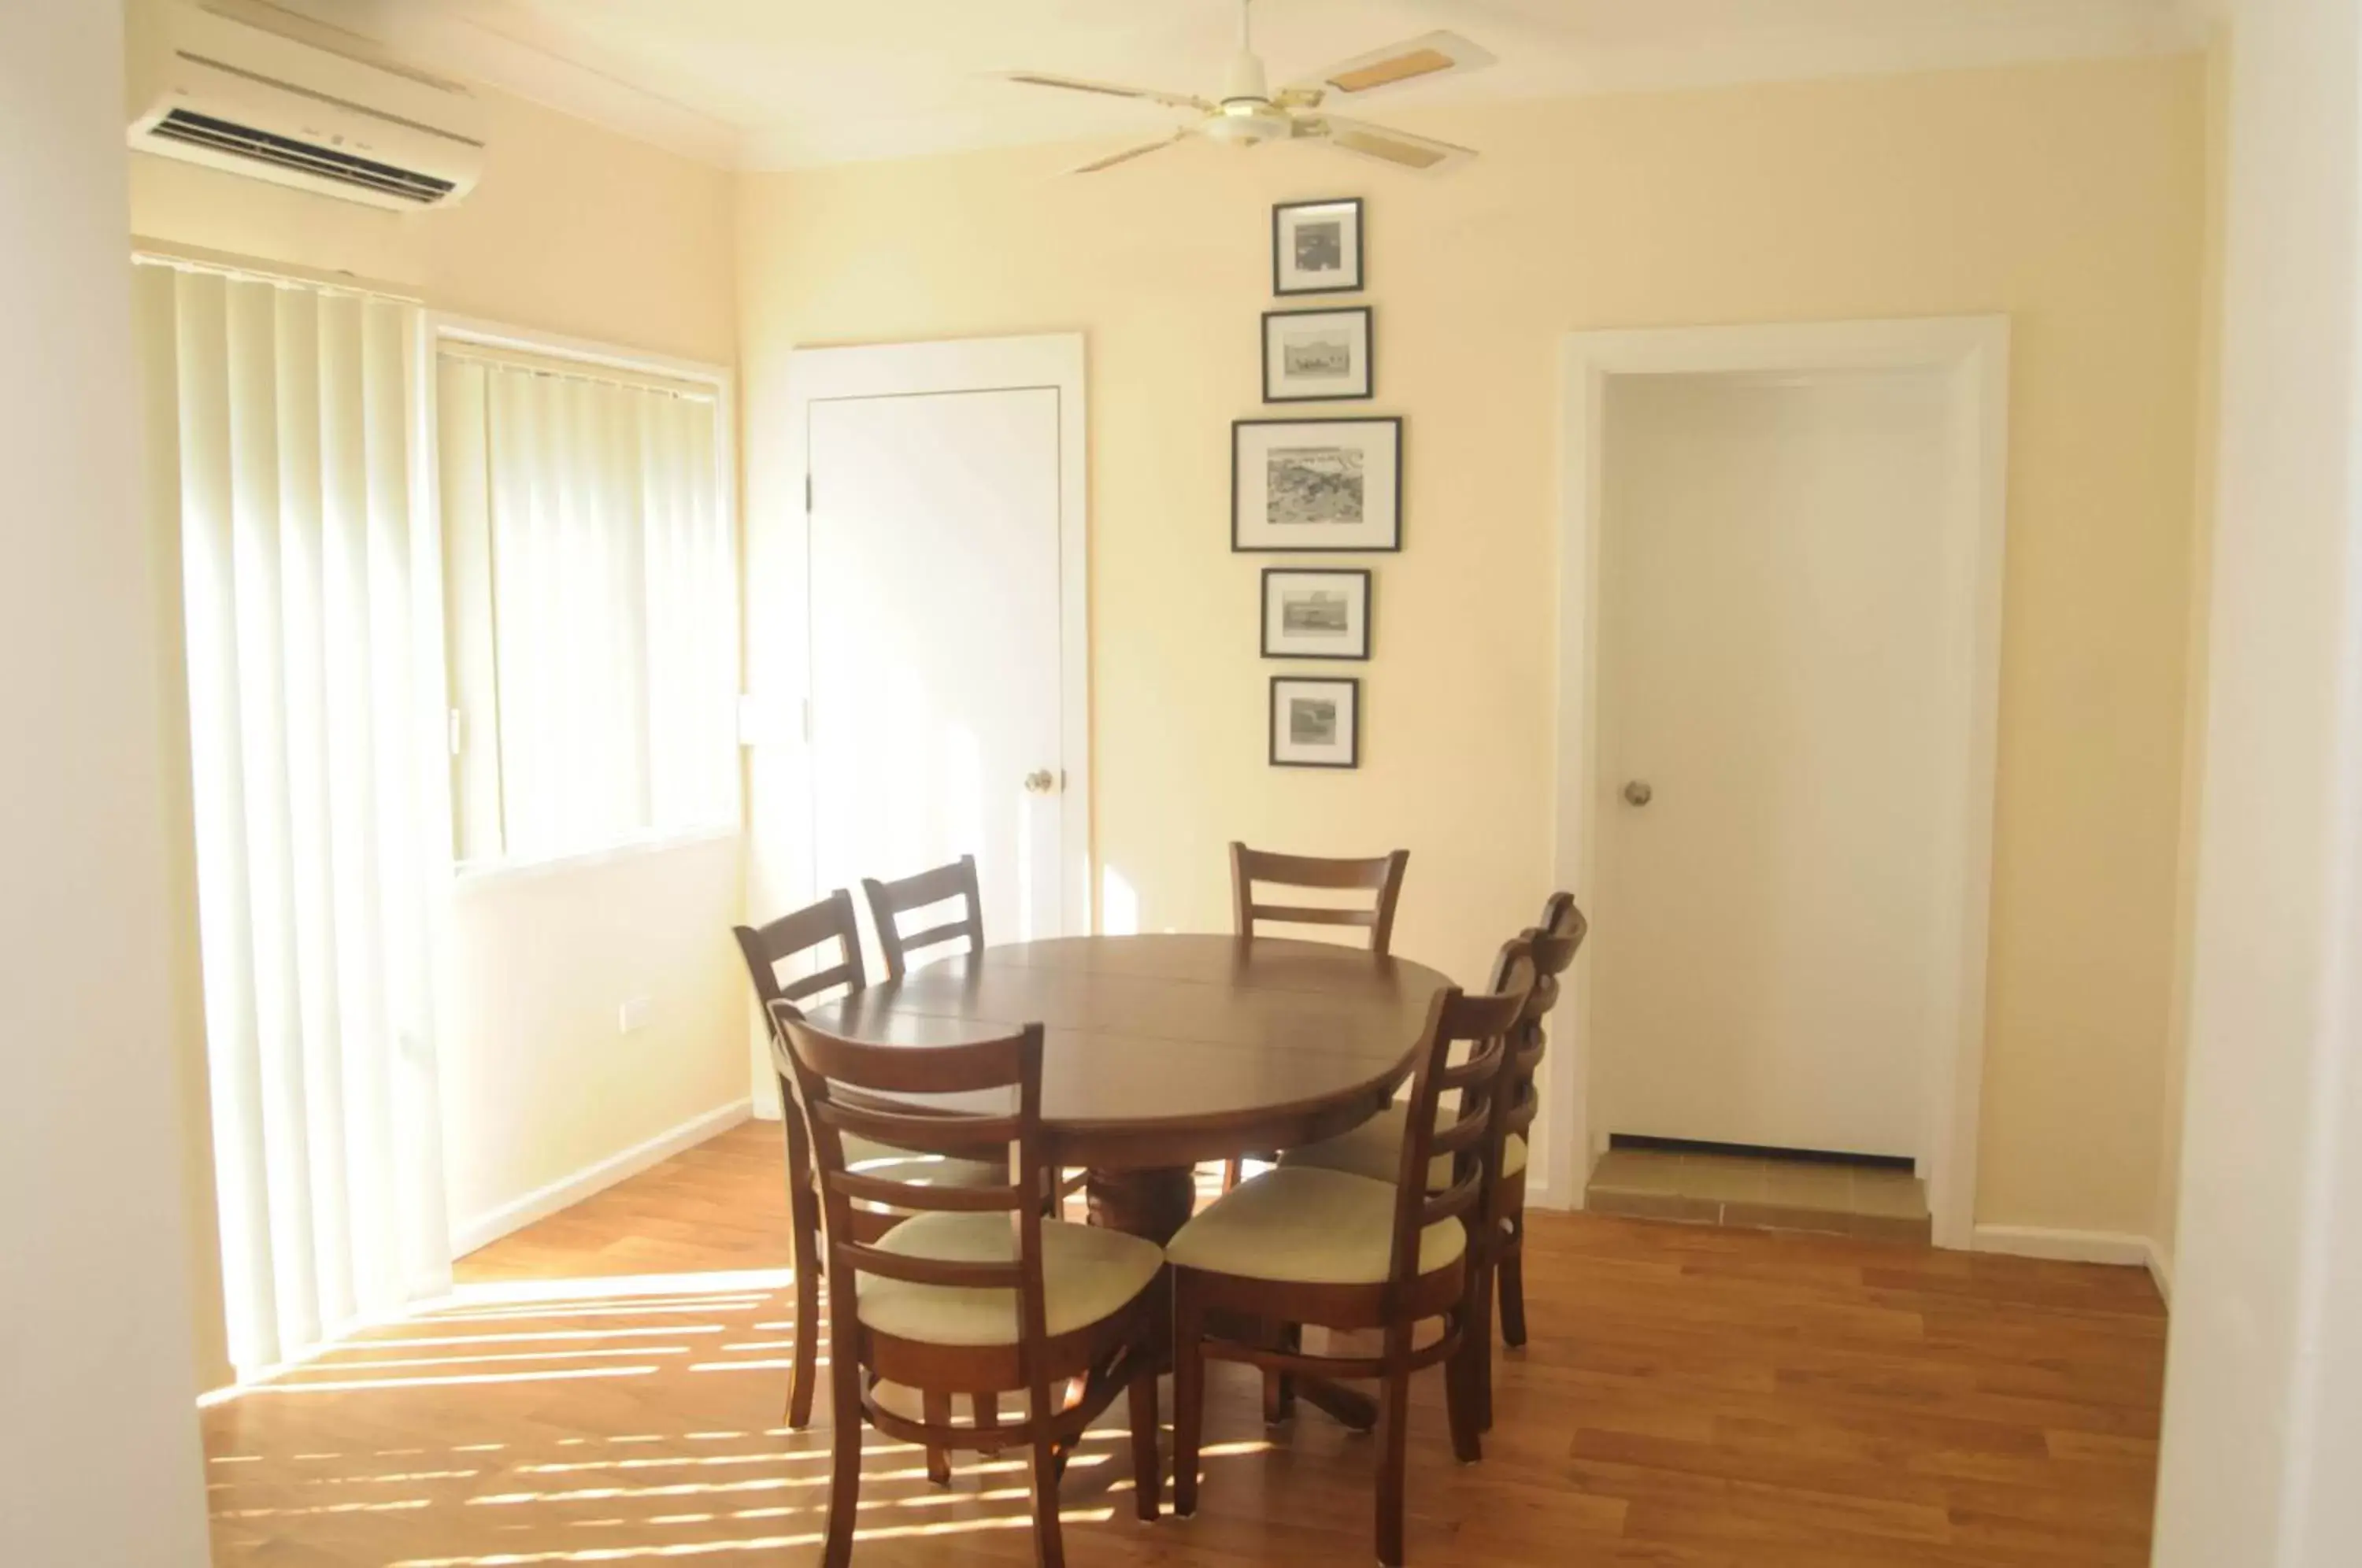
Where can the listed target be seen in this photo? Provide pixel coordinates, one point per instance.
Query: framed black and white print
(1316, 722)
(1316, 247)
(1315, 614)
(1317, 356)
(1315, 485)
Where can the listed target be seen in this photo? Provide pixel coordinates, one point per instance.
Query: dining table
(1162, 1051)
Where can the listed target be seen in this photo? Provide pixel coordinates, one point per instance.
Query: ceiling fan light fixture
(1245, 82)
(1246, 124)
(1247, 115)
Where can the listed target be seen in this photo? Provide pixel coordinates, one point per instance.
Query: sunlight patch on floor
(721, 1281)
(760, 1543)
(347, 1384)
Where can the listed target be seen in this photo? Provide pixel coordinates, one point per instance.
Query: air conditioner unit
(213, 90)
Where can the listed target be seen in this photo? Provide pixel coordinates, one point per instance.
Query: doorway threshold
(1763, 1190)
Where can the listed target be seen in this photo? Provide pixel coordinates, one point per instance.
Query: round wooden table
(1160, 1051)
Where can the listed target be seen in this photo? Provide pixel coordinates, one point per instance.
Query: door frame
(1054, 362)
(1973, 352)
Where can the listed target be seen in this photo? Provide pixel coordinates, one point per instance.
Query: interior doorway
(946, 711)
(946, 573)
(934, 639)
(1780, 610)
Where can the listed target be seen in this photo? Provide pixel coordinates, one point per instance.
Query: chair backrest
(1382, 874)
(888, 901)
(1473, 1135)
(1553, 944)
(848, 1088)
(792, 936)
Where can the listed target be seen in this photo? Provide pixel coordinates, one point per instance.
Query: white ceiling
(775, 83)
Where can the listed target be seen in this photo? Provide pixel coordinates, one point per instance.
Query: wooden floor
(607, 1389)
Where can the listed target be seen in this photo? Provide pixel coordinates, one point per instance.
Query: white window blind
(285, 412)
(591, 579)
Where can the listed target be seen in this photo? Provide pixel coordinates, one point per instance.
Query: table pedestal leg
(1349, 1406)
(1151, 1203)
(1346, 1405)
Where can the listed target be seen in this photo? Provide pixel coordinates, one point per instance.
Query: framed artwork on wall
(1317, 356)
(1316, 722)
(1315, 614)
(1316, 485)
(1316, 247)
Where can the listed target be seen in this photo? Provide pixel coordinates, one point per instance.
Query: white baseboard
(2118, 1247)
(2160, 1272)
(567, 1191)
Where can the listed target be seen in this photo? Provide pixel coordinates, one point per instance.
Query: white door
(936, 691)
(1773, 667)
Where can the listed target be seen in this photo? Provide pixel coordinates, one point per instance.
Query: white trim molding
(482, 1229)
(1974, 351)
(476, 332)
(2119, 1248)
(1055, 361)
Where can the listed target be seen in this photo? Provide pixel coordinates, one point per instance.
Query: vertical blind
(592, 578)
(313, 656)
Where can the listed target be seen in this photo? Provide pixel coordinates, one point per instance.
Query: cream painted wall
(99, 1456)
(577, 231)
(2194, 738)
(2263, 1409)
(537, 1081)
(2068, 196)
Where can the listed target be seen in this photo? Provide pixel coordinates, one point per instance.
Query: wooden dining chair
(1382, 875)
(824, 939)
(1554, 943)
(888, 901)
(978, 1293)
(1303, 1244)
(1375, 1147)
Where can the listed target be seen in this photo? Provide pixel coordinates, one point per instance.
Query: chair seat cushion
(1307, 1225)
(1374, 1150)
(887, 1163)
(1088, 1272)
(865, 1157)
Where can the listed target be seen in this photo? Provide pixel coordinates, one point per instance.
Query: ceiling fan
(1249, 114)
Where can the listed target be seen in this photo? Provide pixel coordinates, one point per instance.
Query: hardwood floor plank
(607, 1388)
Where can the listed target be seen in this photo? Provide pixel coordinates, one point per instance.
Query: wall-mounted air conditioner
(214, 90)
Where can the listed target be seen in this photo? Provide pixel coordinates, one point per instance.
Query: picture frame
(1317, 247)
(1316, 486)
(1316, 722)
(1315, 613)
(1318, 356)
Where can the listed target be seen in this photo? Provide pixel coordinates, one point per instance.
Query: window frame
(441, 328)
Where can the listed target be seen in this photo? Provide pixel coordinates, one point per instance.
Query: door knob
(1638, 793)
(1040, 781)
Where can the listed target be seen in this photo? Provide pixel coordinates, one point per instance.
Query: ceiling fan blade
(1427, 58)
(1108, 89)
(1421, 154)
(1128, 153)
